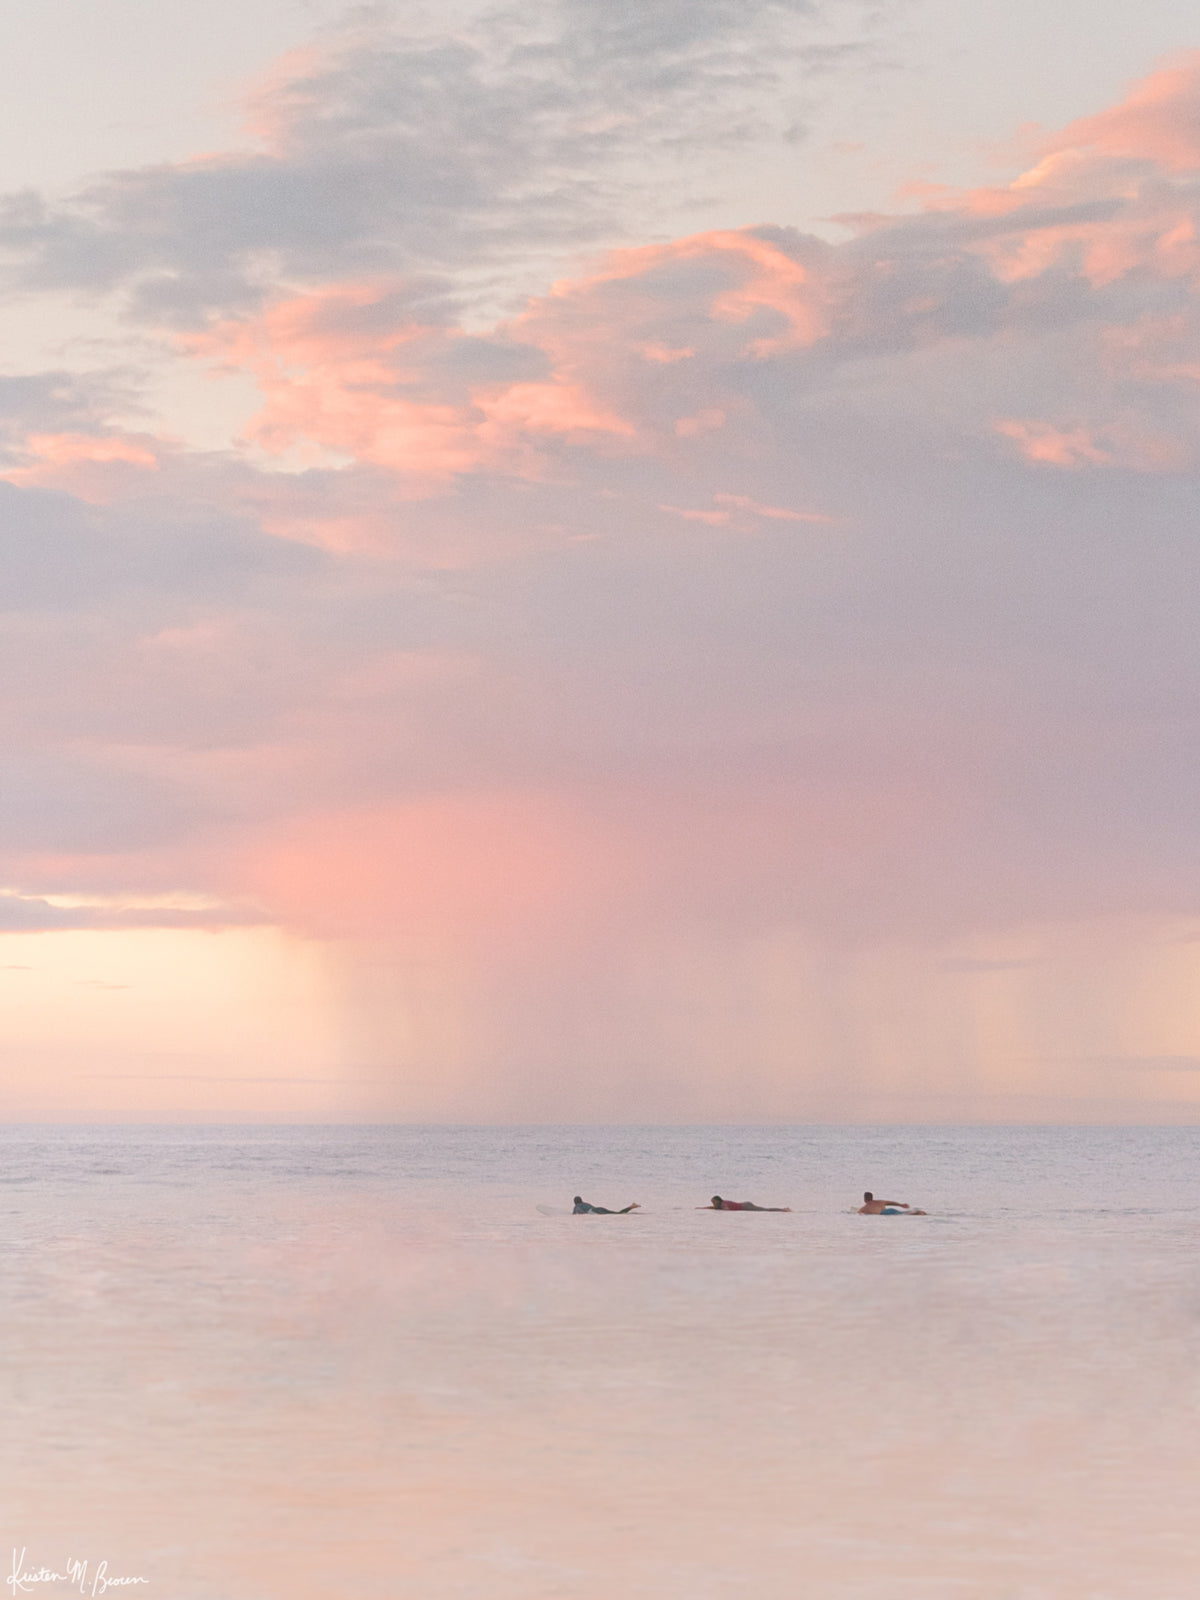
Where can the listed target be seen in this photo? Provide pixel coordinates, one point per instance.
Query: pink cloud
(734, 509)
(345, 372)
(775, 283)
(1155, 236)
(94, 467)
(1120, 155)
(564, 409)
(664, 354)
(285, 88)
(1120, 444)
(651, 290)
(1158, 122)
(743, 502)
(341, 377)
(714, 518)
(1059, 447)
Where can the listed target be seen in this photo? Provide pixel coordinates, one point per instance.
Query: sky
(599, 562)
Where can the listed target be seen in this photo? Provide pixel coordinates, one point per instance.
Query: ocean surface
(358, 1363)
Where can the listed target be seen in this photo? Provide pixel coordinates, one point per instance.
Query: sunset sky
(619, 560)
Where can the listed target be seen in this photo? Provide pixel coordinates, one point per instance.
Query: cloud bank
(738, 597)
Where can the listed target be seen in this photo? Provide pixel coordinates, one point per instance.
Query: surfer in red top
(738, 1205)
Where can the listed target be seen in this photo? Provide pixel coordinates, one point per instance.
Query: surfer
(885, 1208)
(582, 1207)
(738, 1205)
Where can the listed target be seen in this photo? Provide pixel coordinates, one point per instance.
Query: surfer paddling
(885, 1208)
(717, 1204)
(582, 1208)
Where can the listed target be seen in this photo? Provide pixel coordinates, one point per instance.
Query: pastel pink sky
(748, 674)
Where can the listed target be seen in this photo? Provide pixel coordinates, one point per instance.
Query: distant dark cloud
(29, 914)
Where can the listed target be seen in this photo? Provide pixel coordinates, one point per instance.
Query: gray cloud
(60, 402)
(31, 914)
(474, 155)
(57, 554)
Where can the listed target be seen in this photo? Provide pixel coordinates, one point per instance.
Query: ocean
(358, 1363)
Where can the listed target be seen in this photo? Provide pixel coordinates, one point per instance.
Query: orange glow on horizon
(167, 1024)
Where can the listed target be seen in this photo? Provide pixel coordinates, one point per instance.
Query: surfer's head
(868, 1197)
(578, 1200)
(717, 1201)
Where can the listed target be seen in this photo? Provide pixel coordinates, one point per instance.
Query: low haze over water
(359, 1362)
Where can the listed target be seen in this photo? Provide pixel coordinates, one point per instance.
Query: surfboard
(554, 1211)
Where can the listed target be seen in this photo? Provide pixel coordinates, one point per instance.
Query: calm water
(358, 1363)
